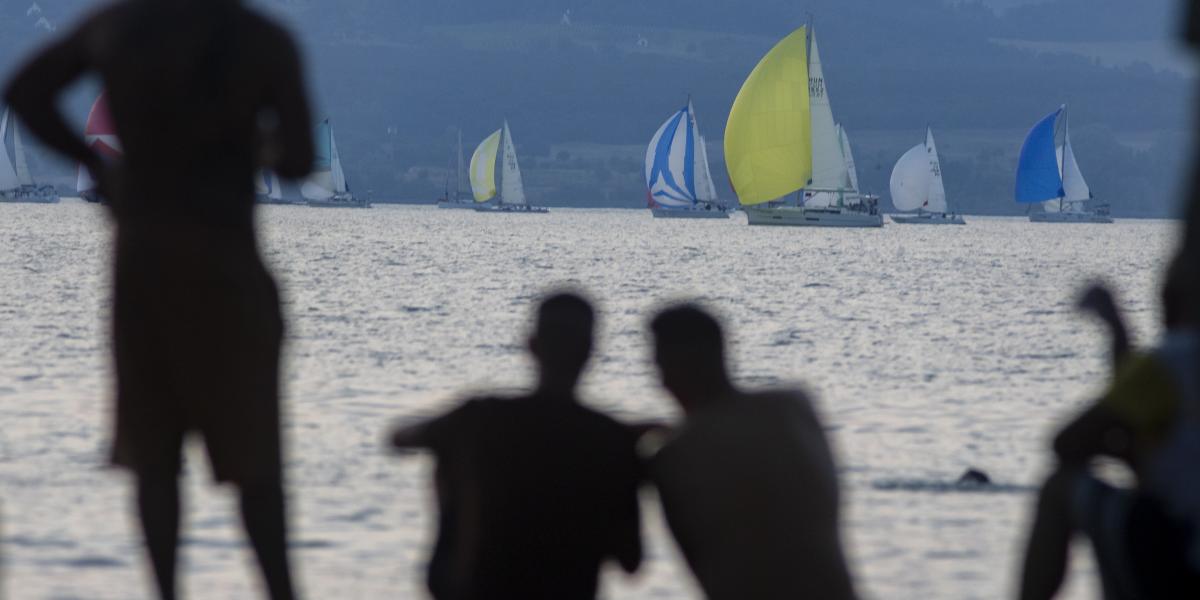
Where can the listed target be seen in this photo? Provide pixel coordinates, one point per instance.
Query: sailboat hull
(795, 216)
(456, 205)
(696, 213)
(1070, 217)
(928, 219)
(512, 208)
(31, 194)
(339, 201)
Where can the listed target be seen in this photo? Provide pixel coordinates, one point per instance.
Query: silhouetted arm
(33, 94)
(289, 148)
(1098, 431)
(1099, 301)
(626, 542)
(411, 437)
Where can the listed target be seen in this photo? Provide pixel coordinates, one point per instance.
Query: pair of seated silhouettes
(536, 492)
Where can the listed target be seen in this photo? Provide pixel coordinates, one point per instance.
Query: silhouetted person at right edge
(748, 482)
(203, 93)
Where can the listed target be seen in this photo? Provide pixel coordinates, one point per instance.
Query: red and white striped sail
(101, 135)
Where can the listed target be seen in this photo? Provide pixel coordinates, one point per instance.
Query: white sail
(8, 177)
(335, 165)
(276, 192)
(320, 184)
(1074, 185)
(910, 179)
(512, 188)
(22, 164)
(916, 182)
(706, 190)
(83, 180)
(937, 189)
(848, 154)
(828, 166)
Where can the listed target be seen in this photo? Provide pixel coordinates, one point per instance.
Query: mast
(458, 172)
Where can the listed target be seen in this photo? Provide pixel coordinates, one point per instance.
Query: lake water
(928, 349)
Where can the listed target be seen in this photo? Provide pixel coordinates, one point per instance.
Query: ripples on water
(929, 349)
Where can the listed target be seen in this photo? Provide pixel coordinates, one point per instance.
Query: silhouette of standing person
(203, 93)
(535, 492)
(748, 483)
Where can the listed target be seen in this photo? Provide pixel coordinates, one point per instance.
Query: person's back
(748, 482)
(750, 491)
(549, 488)
(535, 492)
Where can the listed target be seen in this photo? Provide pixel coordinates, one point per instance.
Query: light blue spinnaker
(671, 162)
(1039, 175)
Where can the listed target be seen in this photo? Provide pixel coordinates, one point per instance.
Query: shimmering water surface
(929, 350)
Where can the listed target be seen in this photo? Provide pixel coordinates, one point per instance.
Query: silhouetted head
(1181, 291)
(1191, 31)
(562, 339)
(689, 348)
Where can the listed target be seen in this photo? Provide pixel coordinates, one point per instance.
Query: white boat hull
(928, 219)
(1070, 217)
(699, 213)
(340, 201)
(512, 208)
(456, 205)
(796, 216)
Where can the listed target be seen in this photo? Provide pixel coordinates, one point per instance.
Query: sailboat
(101, 136)
(783, 150)
(267, 189)
(16, 182)
(917, 185)
(327, 186)
(507, 194)
(678, 182)
(453, 196)
(1048, 174)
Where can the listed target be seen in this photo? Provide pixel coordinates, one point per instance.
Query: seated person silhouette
(534, 492)
(747, 482)
(203, 93)
(1146, 539)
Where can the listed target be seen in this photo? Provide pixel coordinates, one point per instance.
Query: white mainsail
(848, 155)
(335, 164)
(706, 190)
(1074, 185)
(23, 174)
(512, 188)
(829, 173)
(937, 188)
(8, 177)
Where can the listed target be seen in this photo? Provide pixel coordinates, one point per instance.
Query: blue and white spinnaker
(677, 174)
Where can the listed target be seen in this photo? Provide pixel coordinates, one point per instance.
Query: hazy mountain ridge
(396, 76)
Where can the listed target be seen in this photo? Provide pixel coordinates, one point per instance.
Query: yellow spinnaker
(483, 168)
(768, 139)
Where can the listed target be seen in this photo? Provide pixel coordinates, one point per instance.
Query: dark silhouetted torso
(534, 494)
